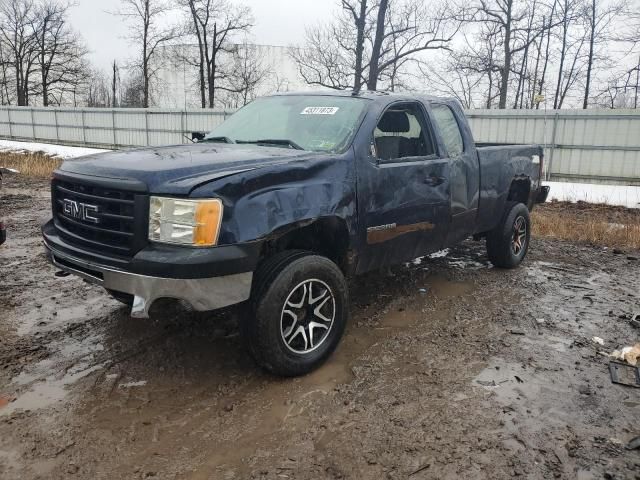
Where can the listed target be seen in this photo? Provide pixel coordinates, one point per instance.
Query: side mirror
(197, 136)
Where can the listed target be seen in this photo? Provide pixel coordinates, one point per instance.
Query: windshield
(307, 122)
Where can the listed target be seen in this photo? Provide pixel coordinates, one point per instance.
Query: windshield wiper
(274, 141)
(217, 140)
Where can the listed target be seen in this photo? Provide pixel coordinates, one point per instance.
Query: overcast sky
(278, 22)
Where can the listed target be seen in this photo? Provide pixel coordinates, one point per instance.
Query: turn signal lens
(208, 220)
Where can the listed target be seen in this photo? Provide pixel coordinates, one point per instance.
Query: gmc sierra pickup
(283, 201)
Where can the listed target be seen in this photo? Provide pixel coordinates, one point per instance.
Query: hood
(177, 170)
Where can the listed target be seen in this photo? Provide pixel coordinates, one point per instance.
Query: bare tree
(568, 11)
(327, 59)
(406, 29)
(133, 90)
(60, 52)
(518, 28)
(16, 17)
(454, 78)
(5, 94)
(395, 32)
(215, 23)
(249, 72)
(358, 12)
(98, 90)
(599, 20)
(478, 63)
(147, 31)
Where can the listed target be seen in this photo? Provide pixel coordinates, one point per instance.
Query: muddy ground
(449, 369)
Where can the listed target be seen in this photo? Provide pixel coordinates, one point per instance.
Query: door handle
(434, 180)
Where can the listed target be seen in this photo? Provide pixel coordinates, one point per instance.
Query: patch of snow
(440, 254)
(140, 383)
(61, 151)
(626, 196)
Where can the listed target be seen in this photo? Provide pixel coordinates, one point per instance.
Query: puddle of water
(43, 385)
(42, 394)
(66, 315)
(559, 344)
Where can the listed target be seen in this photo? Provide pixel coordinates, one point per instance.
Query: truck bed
(499, 165)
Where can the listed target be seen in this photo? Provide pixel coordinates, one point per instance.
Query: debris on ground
(598, 340)
(635, 320)
(624, 374)
(627, 354)
(5, 400)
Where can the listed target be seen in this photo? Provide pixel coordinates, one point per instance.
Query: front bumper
(203, 294)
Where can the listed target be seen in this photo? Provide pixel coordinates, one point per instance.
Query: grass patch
(594, 224)
(30, 164)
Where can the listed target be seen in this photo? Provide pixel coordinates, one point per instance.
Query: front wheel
(300, 310)
(508, 243)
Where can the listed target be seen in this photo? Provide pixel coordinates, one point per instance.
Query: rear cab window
(449, 129)
(403, 133)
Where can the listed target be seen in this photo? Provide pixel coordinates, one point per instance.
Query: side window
(402, 133)
(449, 129)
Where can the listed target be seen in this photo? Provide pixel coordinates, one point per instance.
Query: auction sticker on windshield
(320, 111)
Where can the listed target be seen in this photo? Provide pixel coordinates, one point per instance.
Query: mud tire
(274, 282)
(500, 241)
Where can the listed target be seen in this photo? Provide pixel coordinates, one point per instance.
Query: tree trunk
(546, 57)
(360, 24)
(114, 102)
(212, 66)
(145, 59)
(203, 93)
(635, 101)
(534, 85)
(592, 26)
(374, 68)
(212, 80)
(506, 69)
(563, 53)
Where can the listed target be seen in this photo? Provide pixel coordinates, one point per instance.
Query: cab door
(403, 189)
(464, 171)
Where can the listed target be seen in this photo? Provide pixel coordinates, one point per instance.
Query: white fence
(107, 128)
(581, 145)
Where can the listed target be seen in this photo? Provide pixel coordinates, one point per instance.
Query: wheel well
(520, 190)
(328, 237)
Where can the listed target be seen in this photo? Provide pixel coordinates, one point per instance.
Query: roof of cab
(368, 94)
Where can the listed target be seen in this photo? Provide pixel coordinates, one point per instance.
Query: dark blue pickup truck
(282, 202)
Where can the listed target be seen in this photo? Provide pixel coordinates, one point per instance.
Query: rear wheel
(300, 310)
(508, 243)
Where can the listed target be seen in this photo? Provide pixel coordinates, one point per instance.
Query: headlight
(185, 222)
